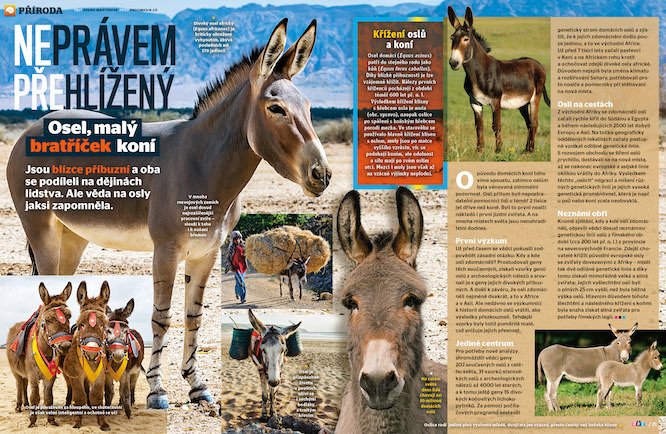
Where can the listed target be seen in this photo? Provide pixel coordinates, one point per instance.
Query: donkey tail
(32, 260)
(545, 96)
(540, 369)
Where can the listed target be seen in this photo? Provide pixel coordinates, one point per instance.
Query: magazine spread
(332, 216)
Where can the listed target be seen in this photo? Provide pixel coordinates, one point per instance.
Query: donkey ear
(108, 310)
(654, 345)
(307, 260)
(613, 329)
(469, 17)
(129, 308)
(296, 57)
(67, 291)
(44, 294)
(408, 239)
(453, 19)
(633, 329)
(269, 56)
(105, 292)
(353, 238)
(289, 330)
(82, 293)
(256, 324)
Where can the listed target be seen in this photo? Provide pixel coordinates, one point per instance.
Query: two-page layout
(352, 217)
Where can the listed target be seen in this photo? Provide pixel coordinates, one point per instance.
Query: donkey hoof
(157, 401)
(105, 427)
(198, 395)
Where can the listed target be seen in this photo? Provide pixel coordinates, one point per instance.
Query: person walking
(238, 262)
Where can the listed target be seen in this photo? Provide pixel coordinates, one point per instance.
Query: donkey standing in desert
(297, 269)
(84, 363)
(268, 348)
(35, 349)
(500, 84)
(579, 364)
(384, 294)
(124, 353)
(612, 373)
(254, 113)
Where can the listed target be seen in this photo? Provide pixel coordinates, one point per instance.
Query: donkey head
(461, 40)
(117, 331)
(279, 127)
(273, 347)
(384, 294)
(92, 322)
(655, 360)
(623, 341)
(54, 317)
(299, 267)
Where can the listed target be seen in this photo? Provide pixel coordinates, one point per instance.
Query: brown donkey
(612, 373)
(124, 353)
(36, 349)
(384, 294)
(84, 364)
(500, 84)
(579, 364)
(256, 112)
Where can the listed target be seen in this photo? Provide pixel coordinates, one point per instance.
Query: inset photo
(285, 372)
(612, 372)
(275, 261)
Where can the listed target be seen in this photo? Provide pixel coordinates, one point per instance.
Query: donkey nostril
(381, 384)
(317, 173)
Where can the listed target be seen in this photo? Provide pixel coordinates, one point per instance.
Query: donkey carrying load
(384, 294)
(500, 84)
(290, 253)
(36, 349)
(268, 347)
(612, 373)
(579, 364)
(254, 113)
(124, 355)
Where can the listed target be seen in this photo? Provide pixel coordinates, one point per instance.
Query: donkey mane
(222, 86)
(482, 40)
(642, 355)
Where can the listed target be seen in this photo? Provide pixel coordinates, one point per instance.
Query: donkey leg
(264, 392)
(44, 238)
(71, 250)
(196, 276)
(125, 394)
(534, 120)
(553, 393)
(48, 400)
(134, 375)
(271, 399)
(280, 279)
(608, 397)
(20, 387)
(639, 394)
(546, 395)
(97, 399)
(478, 122)
(34, 399)
(525, 112)
(497, 125)
(165, 262)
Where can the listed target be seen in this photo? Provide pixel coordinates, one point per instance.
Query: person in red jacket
(238, 263)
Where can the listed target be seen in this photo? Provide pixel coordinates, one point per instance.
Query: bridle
(91, 374)
(59, 336)
(50, 369)
(118, 342)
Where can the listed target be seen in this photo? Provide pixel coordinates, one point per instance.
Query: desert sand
(143, 420)
(263, 292)
(241, 405)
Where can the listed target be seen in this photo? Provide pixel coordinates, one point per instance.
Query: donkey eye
(350, 303)
(411, 301)
(278, 110)
(465, 39)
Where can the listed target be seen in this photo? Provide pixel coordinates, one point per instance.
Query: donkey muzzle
(319, 177)
(380, 389)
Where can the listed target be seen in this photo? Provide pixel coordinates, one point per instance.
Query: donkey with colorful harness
(124, 355)
(47, 334)
(84, 367)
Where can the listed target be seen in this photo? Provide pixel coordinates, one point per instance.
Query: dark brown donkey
(36, 348)
(500, 84)
(256, 112)
(384, 294)
(124, 355)
(84, 364)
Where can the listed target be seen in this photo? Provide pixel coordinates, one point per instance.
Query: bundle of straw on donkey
(254, 113)
(500, 84)
(289, 252)
(384, 294)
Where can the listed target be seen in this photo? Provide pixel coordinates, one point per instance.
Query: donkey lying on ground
(124, 352)
(500, 84)
(268, 347)
(612, 373)
(36, 348)
(384, 294)
(256, 112)
(84, 364)
(579, 364)
(297, 269)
